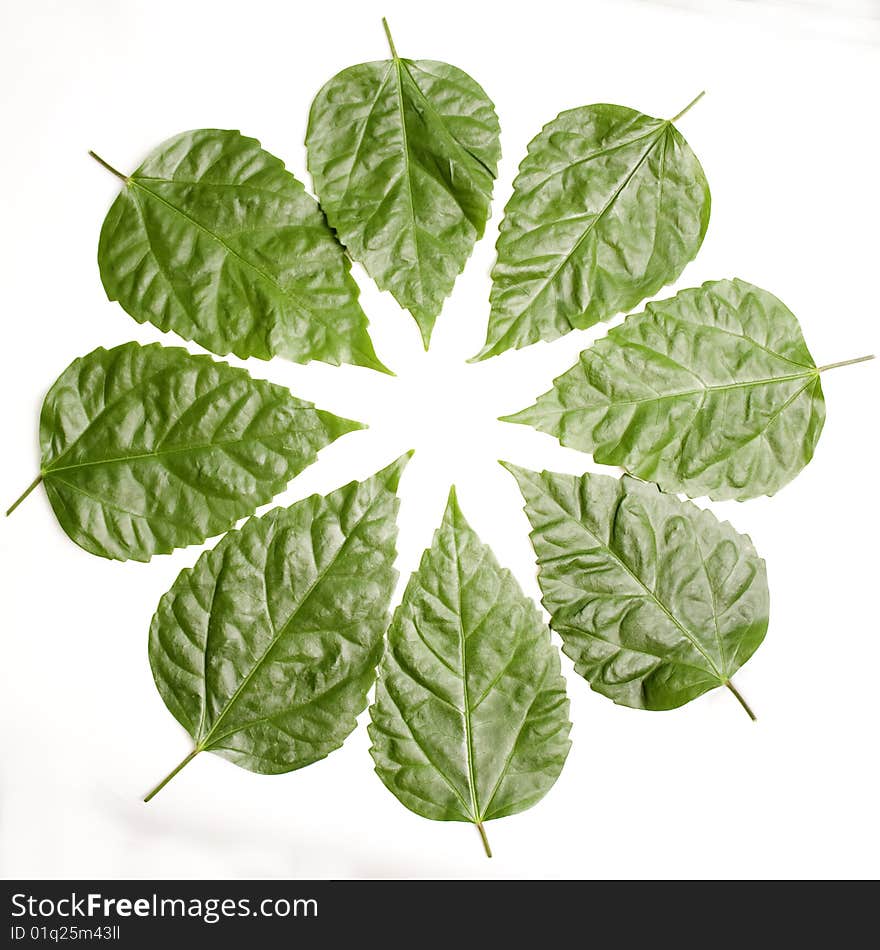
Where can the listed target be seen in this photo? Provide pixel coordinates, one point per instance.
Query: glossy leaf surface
(403, 154)
(264, 651)
(656, 601)
(212, 238)
(712, 392)
(148, 448)
(470, 721)
(608, 207)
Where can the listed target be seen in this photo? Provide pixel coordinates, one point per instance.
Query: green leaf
(656, 601)
(148, 448)
(470, 721)
(403, 154)
(212, 238)
(264, 651)
(711, 392)
(608, 207)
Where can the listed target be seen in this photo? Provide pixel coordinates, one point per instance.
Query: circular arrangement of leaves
(267, 648)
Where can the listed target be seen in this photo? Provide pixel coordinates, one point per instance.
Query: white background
(788, 135)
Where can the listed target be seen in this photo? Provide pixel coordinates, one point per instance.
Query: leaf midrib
(219, 184)
(748, 384)
(468, 729)
(162, 453)
(407, 174)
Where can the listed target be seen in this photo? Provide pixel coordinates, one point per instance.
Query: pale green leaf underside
(656, 601)
(711, 392)
(214, 239)
(148, 448)
(470, 720)
(403, 154)
(265, 650)
(608, 207)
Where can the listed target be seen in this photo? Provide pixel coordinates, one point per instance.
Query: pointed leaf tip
(380, 367)
(426, 329)
(372, 361)
(365, 356)
(339, 425)
(522, 418)
(484, 354)
(391, 473)
(453, 515)
(518, 472)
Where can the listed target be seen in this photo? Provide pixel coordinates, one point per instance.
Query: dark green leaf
(264, 651)
(656, 601)
(471, 718)
(212, 238)
(608, 207)
(403, 154)
(148, 448)
(712, 392)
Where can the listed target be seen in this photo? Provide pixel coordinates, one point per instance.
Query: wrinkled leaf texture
(148, 448)
(214, 239)
(265, 650)
(711, 392)
(403, 154)
(608, 207)
(656, 601)
(470, 721)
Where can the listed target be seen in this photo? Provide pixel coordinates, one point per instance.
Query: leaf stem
(742, 701)
(108, 166)
(484, 839)
(688, 107)
(172, 773)
(390, 40)
(858, 359)
(24, 494)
